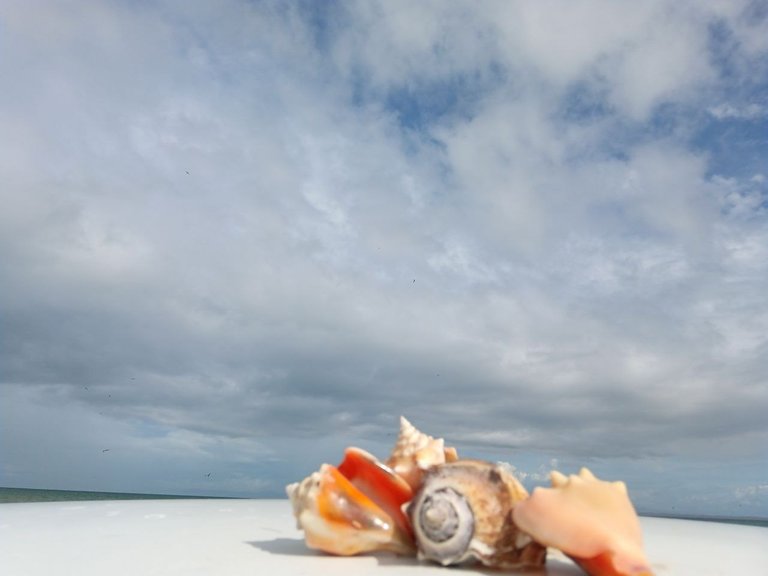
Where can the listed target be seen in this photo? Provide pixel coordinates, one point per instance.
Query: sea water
(36, 495)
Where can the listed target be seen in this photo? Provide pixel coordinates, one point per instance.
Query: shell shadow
(295, 547)
(283, 547)
(553, 567)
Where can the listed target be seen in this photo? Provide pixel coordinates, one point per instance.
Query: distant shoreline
(18, 495)
(22, 495)
(742, 520)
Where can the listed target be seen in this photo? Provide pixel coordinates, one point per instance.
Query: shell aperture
(376, 480)
(340, 517)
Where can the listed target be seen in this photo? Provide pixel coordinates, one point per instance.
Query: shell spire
(416, 452)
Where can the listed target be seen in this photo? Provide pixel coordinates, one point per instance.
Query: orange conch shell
(416, 452)
(590, 520)
(379, 483)
(353, 508)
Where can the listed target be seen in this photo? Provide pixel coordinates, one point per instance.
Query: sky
(239, 236)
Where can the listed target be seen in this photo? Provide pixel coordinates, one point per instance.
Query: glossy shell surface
(590, 520)
(353, 508)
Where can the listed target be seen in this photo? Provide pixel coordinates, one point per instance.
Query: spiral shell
(416, 452)
(462, 513)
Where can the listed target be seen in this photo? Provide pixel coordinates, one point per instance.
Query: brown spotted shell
(463, 513)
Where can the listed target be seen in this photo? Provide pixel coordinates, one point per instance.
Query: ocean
(36, 495)
(743, 520)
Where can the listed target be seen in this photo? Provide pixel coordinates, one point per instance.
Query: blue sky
(236, 238)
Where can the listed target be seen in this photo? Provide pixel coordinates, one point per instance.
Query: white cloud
(456, 259)
(640, 56)
(751, 491)
(669, 64)
(746, 112)
(402, 44)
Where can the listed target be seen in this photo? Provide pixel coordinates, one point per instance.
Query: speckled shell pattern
(487, 532)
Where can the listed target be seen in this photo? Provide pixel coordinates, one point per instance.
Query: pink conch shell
(353, 508)
(416, 452)
(590, 520)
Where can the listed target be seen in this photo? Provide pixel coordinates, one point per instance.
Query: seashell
(416, 452)
(380, 483)
(590, 520)
(463, 513)
(353, 508)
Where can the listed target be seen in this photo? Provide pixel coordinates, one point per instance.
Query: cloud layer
(538, 230)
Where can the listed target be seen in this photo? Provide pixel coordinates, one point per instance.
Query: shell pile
(426, 501)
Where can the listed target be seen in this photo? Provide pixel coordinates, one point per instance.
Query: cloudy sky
(238, 236)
